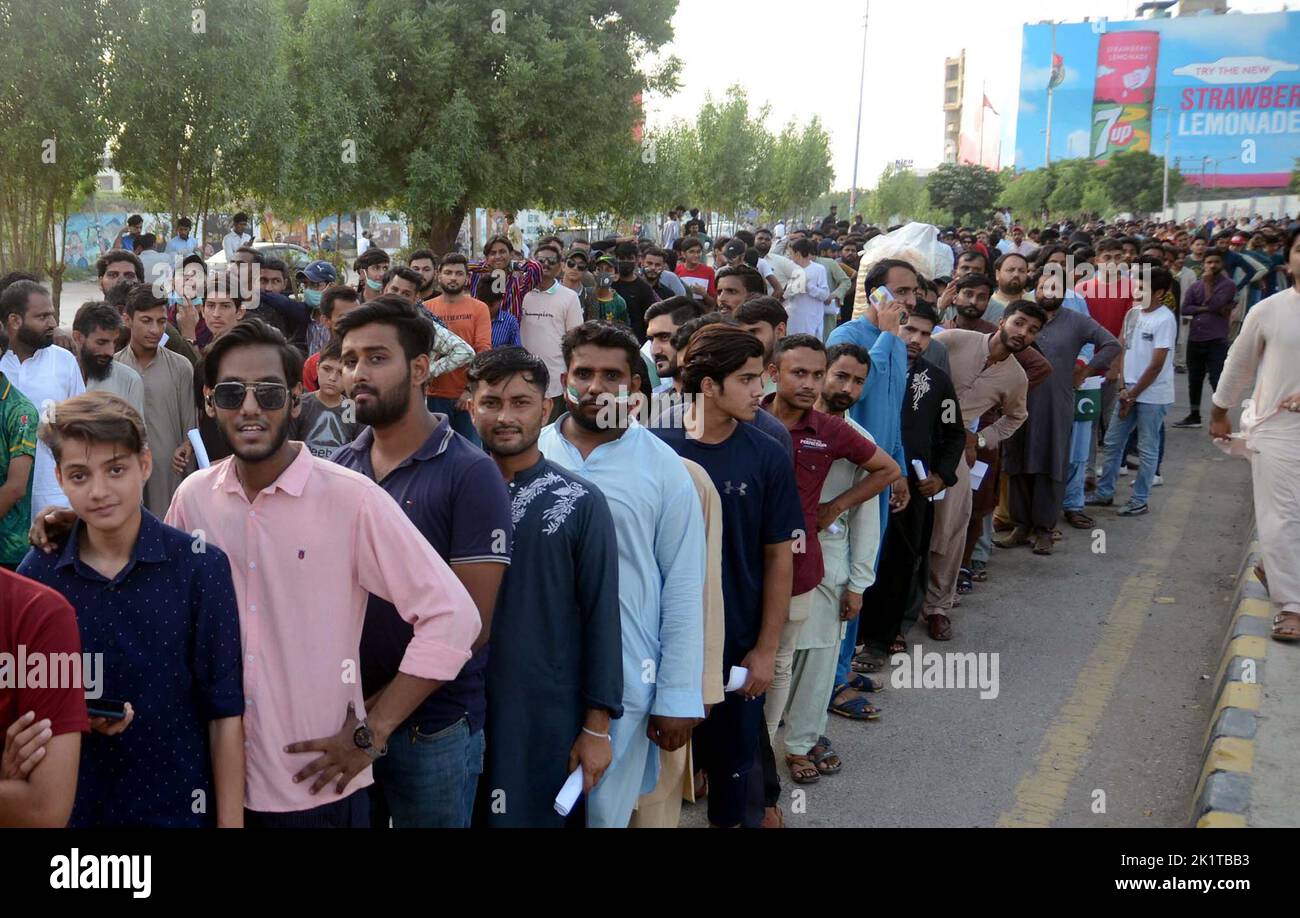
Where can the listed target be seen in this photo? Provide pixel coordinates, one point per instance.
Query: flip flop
(855, 707)
(1286, 627)
(823, 758)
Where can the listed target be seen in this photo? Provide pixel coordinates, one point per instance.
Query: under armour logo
(729, 488)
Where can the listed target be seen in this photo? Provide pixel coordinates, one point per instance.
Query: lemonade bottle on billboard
(1124, 92)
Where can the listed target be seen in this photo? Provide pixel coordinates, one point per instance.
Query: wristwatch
(364, 738)
(979, 439)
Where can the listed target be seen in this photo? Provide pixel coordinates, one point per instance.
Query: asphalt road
(1105, 663)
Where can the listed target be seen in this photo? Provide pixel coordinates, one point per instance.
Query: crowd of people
(631, 516)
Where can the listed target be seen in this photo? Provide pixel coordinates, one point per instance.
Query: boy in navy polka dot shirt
(157, 614)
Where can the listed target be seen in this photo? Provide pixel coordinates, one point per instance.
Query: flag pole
(1047, 156)
(857, 137)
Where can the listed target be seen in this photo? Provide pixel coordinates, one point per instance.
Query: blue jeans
(428, 780)
(1131, 447)
(460, 420)
(1147, 420)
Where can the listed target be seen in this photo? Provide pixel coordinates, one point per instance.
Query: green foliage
(1027, 193)
(200, 103)
(53, 80)
(1134, 181)
(966, 190)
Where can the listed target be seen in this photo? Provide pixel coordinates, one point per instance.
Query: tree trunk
(442, 227)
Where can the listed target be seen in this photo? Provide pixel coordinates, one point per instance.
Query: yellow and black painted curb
(1222, 797)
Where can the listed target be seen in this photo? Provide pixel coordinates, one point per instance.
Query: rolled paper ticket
(200, 452)
(570, 793)
(736, 681)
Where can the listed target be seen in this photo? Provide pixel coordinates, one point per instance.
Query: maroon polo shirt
(819, 439)
(36, 623)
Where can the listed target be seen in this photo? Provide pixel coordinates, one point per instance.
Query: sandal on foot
(802, 769)
(865, 684)
(979, 571)
(964, 581)
(898, 645)
(1286, 627)
(940, 627)
(854, 707)
(826, 759)
(1079, 519)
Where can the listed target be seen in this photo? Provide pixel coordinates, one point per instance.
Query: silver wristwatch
(364, 738)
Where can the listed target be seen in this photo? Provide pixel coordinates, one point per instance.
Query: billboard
(1226, 87)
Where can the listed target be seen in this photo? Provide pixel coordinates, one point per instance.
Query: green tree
(199, 98)
(54, 132)
(1027, 193)
(1134, 181)
(899, 195)
(1070, 178)
(966, 190)
(730, 146)
(794, 169)
(501, 103)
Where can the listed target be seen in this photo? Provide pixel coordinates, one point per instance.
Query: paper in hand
(739, 676)
(200, 451)
(569, 793)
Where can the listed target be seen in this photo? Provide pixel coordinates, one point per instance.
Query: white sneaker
(1123, 470)
(1157, 481)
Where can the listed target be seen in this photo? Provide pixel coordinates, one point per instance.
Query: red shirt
(36, 623)
(819, 440)
(311, 373)
(1108, 301)
(700, 272)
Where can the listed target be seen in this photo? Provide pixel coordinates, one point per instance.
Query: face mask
(374, 284)
(311, 297)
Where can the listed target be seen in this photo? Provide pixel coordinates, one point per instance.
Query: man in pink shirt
(308, 541)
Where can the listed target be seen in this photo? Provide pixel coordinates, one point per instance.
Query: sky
(805, 59)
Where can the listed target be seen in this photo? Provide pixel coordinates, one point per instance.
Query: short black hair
(501, 362)
(1107, 244)
(607, 335)
(371, 256)
(1161, 278)
(333, 350)
(880, 270)
(791, 342)
(681, 309)
(691, 242)
(413, 324)
(240, 217)
(715, 351)
(452, 258)
(423, 253)
(762, 309)
(685, 331)
(410, 275)
(923, 310)
(13, 276)
(94, 316)
(1029, 308)
(252, 332)
(332, 295)
(976, 280)
(13, 302)
(625, 251)
(1214, 251)
(141, 298)
(750, 277)
(112, 256)
(257, 257)
(803, 247)
(848, 349)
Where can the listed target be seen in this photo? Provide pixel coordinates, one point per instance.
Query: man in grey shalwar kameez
(1037, 457)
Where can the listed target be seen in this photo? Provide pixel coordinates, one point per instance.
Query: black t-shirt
(639, 297)
(760, 507)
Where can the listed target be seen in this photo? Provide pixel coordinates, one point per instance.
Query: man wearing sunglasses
(308, 542)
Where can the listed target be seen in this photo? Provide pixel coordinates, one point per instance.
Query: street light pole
(857, 138)
(1164, 194)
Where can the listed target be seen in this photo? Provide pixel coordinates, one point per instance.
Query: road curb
(1222, 796)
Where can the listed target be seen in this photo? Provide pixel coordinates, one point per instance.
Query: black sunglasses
(547, 261)
(229, 396)
(576, 263)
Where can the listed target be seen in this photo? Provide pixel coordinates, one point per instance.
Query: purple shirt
(1209, 313)
(455, 496)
